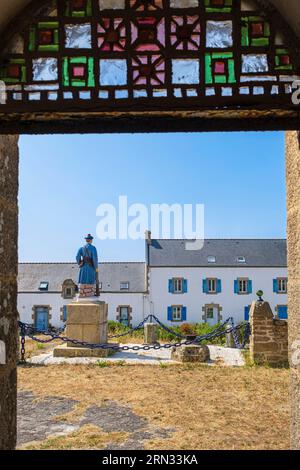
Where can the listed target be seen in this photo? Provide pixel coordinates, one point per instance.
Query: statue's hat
(89, 237)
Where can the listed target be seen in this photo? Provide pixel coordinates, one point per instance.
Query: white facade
(214, 283)
(231, 304)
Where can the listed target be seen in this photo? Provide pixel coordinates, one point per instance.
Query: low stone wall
(269, 336)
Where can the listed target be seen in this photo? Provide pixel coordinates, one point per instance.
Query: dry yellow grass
(209, 407)
(32, 348)
(88, 437)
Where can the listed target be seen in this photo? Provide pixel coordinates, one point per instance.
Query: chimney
(148, 237)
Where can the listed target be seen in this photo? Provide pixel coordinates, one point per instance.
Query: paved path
(218, 354)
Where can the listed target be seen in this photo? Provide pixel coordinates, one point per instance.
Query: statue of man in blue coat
(87, 260)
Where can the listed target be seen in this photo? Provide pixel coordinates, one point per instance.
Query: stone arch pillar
(9, 159)
(293, 225)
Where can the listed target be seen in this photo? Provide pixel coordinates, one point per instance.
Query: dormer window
(124, 286)
(68, 289)
(211, 259)
(44, 286)
(241, 259)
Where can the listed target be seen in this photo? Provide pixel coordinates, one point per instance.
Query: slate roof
(257, 252)
(110, 274)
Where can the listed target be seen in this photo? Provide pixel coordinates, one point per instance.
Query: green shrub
(183, 329)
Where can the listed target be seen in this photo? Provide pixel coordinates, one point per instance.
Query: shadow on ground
(38, 420)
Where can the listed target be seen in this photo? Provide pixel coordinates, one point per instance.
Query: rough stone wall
(269, 336)
(293, 236)
(9, 157)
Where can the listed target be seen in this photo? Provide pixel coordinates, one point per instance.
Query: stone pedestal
(150, 333)
(269, 336)
(86, 322)
(190, 353)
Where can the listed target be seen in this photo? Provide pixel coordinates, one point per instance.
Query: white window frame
(177, 285)
(211, 259)
(280, 281)
(211, 280)
(245, 286)
(176, 313)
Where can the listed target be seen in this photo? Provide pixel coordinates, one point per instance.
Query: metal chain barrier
(28, 330)
(131, 330)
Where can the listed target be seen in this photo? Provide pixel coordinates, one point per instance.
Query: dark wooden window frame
(260, 114)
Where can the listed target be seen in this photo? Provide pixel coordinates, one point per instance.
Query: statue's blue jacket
(87, 273)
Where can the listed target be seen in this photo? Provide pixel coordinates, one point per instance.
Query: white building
(175, 284)
(45, 289)
(217, 282)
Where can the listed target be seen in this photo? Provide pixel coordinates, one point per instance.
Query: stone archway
(195, 103)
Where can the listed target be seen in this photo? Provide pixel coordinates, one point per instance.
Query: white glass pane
(44, 69)
(253, 63)
(185, 71)
(113, 72)
(219, 34)
(78, 36)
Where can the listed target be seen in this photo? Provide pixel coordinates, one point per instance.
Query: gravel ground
(227, 356)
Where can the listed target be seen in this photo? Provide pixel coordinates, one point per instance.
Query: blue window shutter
(170, 316)
(283, 312)
(247, 311)
(236, 287)
(205, 286)
(65, 313)
(219, 286)
(183, 314)
(171, 287)
(185, 286)
(275, 286)
(249, 287)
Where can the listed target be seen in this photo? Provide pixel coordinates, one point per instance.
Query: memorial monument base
(86, 322)
(75, 351)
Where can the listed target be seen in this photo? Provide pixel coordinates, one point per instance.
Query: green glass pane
(66, 78)
(245, 36)
(208, 71)
(231, 71)
(220, 79)
(260, 42)
(32, 39)
(78, 83)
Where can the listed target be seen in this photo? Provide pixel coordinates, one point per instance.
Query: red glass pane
(285, 59)
(257, 29)
(219, 67)
(13, 71)
(78, 71)
(218, 3)
(78, 4)
(45, 37)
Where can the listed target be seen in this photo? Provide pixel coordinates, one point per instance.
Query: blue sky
(239, 177)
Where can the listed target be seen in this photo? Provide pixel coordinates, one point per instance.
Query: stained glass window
(175, 54)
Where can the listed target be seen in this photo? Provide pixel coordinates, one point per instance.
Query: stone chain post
(9, 161)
